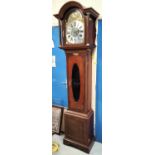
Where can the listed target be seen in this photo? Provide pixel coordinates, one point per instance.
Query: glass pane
(76, 82)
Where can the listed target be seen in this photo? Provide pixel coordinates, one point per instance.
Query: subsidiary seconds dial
(75, 32)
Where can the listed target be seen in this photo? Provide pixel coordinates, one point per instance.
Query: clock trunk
(79, 77)
(79, 117)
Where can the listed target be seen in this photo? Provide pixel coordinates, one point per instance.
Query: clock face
(75, 28)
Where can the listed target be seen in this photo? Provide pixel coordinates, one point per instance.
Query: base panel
(85, 148)
(79, 130)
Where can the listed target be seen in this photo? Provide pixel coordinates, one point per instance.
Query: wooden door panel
(76, 104)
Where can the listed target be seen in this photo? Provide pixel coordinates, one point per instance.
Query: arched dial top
(75, 28)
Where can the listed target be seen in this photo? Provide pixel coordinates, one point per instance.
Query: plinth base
(79, 130)
(85, 148)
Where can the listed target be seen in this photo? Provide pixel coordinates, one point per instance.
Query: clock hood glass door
(75, 28)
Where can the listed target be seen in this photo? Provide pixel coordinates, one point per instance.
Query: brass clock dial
(75, 28)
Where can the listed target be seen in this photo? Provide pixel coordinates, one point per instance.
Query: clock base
(82, 147)
(79, 130)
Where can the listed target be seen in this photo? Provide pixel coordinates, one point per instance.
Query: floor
(67, 150)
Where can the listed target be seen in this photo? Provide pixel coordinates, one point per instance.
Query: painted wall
(99, 85)
(56, 4)
(59, 78)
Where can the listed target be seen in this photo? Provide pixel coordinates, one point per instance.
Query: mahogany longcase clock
(77, 38)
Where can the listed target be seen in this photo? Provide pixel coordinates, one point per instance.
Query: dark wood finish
(89, 15)
(79, 130)
(63, 121)
(84, 61)
(79, 117)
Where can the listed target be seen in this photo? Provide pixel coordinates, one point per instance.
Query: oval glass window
(76, 82)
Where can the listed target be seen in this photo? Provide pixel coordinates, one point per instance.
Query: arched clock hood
(89, 17)
(72, 4)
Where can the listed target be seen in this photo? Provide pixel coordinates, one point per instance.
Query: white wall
(57, 4)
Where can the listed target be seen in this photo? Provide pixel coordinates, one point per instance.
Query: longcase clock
(77, 38)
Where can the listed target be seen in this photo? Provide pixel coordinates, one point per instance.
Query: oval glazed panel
(76, 82)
